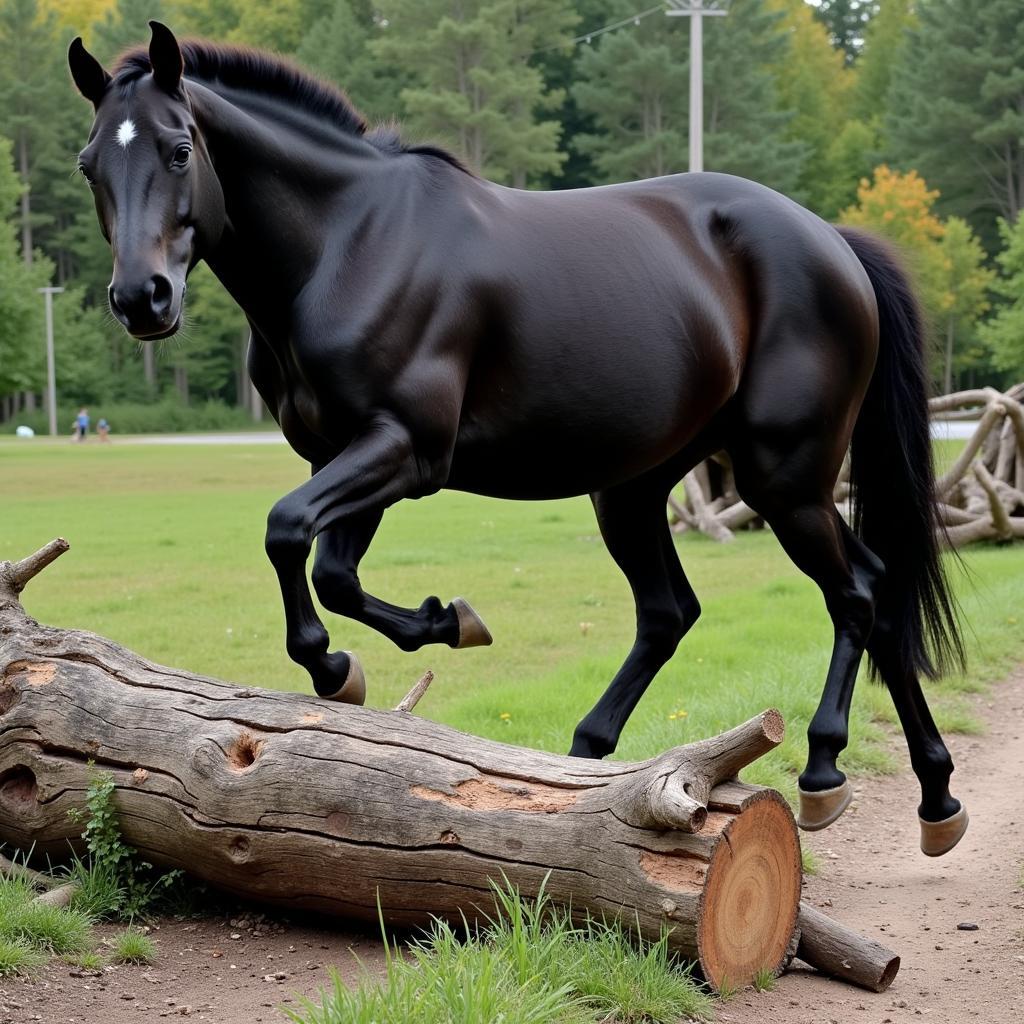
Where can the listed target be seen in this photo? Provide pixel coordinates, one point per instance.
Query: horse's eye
(181, 155)
(85, 174)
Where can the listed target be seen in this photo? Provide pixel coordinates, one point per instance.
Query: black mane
(244, 68)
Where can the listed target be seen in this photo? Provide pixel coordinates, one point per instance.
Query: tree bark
(837, 951)
(300, 802)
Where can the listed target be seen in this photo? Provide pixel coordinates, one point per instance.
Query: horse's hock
(304, 803)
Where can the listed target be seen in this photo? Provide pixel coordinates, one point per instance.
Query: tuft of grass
(764, 980)
(726, 989)
(91, 960)
(528, 965)
(133, 947)
(38, 928)
(809, 861)
(99, 893)
(55, 930)
(18, 957)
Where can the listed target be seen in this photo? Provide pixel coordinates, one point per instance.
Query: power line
(633, 19)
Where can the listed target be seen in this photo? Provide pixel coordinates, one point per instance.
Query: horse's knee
(288, 530)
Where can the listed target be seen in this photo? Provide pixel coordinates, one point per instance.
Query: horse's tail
(894, 504)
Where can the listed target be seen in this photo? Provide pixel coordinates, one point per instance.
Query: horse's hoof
(353, 690)
(472, 631)
(939, 837)
(818, 810)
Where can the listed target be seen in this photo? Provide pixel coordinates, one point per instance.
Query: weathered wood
(306, 803)
(835, 950)
(967, 501)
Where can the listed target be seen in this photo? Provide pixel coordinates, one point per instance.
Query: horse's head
(158, 200)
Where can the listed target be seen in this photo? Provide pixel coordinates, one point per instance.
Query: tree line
(906, 116)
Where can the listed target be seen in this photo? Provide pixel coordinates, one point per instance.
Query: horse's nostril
(161, 292)
(115, 305)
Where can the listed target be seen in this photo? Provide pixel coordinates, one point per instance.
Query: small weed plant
(529, 964)
(113, 882)
(764, 980)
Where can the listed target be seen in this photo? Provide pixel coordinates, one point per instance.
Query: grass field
(167, 558)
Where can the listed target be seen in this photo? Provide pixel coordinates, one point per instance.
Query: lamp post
(696, 11)
(51, 373)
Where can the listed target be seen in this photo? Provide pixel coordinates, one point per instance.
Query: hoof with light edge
(472, 631)
(939, 837)
(819, 809)
(353, 690)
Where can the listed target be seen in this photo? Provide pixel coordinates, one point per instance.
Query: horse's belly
(579, 442)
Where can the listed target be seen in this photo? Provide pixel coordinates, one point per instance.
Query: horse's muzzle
(148, 309)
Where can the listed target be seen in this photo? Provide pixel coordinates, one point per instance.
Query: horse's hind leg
(792, 488)
(635, 529)
(336, 581)
(943, 818)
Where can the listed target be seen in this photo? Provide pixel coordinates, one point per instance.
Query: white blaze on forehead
(126, 132)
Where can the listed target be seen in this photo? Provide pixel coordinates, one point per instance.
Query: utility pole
(696, 11)
(51, 372)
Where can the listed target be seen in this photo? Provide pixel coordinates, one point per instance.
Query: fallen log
(304, 803)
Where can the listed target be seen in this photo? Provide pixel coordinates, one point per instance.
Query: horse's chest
(317, 415)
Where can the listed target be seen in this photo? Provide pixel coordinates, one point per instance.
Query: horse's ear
(88, 73)
(165, 56)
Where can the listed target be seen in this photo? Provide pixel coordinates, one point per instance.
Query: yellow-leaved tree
(945, 259)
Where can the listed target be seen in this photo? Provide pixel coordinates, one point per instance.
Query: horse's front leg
(377, 469)
(339, 550)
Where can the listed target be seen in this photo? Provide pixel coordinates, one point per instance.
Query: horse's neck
(278, 185)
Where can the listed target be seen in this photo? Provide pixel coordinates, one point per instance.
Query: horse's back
(623, 320)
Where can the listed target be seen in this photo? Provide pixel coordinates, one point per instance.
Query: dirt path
(242, 969)
(879, 884)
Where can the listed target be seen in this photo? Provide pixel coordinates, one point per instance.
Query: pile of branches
(980, 496)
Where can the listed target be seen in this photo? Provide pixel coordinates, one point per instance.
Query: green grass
(167, 558)
(32, 932)
(19, 957)
(530, 965)
(764, 980)
(132, 947)
(810, 862)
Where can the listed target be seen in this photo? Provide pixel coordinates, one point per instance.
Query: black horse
(416, 327)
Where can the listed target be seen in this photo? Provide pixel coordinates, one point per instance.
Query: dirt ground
(242, 968)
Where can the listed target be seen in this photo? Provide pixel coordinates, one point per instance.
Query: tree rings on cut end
(751, 899)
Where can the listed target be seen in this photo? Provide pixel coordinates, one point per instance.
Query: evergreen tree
(125, 24)
(635, 85)
(21, 306)
(337, 47)
(476, 87)
(956, 107)
(30, 105)
(847, 21)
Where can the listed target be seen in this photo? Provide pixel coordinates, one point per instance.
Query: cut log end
(750, 902)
